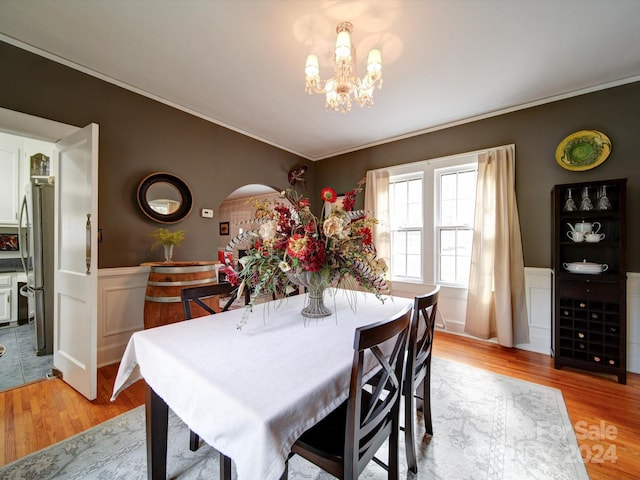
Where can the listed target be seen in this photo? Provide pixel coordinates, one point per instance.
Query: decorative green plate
(583, 150)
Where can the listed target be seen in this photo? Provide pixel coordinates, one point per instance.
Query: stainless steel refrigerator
(36, 251)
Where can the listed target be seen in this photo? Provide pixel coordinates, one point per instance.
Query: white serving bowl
(585, 267)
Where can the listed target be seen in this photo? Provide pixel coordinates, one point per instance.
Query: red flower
(367, 236)
(316, 256)
(304, 203)
(298, 246)
(328, 194)
(349, 201)
(311, 227)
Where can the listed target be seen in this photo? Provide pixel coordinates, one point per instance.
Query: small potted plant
(168, 239)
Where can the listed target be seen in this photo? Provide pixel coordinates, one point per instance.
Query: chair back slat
(198, 294)
(372, 416)
(421, 334)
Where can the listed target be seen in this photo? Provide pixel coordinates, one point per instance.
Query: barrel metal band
(163, 299)
(183, 283)
(199, 268)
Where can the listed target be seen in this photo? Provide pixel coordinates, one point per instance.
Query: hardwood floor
(606, 415)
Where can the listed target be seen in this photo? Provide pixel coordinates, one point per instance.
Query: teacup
(594, 237)
(576, 236)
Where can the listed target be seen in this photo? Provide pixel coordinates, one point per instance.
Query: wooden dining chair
(345, 441)
(418, 370)
(198, 296)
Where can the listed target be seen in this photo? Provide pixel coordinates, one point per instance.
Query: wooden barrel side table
(162, 301)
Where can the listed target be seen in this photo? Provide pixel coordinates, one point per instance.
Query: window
(431, 210)
(455, 209)
(405, 201)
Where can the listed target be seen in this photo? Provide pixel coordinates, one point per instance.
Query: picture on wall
(224, 228)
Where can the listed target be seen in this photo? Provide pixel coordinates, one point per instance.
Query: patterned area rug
(486, 426)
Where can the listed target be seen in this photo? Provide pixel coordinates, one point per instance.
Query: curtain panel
(496, 303)
(376, 201)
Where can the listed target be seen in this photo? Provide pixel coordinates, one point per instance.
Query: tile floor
(20, 364)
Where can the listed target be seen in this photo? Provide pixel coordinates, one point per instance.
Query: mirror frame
(185, 192)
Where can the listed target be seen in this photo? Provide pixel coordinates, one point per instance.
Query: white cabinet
(9, 184)
(5, 297)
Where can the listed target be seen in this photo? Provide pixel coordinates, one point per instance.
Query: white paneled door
(76, 260)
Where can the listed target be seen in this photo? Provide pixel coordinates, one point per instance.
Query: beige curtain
(376, 200)
(496, 304)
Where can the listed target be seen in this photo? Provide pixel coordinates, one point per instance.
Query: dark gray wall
(536, 133)
(139, 136)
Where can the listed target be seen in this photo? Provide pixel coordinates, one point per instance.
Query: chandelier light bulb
(345, 86)
(374, 61)
(312, 68)
(343, 46)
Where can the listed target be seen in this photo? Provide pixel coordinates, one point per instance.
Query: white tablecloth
(250, 393)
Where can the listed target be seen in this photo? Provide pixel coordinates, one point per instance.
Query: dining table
(249, 392)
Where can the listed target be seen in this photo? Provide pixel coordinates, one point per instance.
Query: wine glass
(586, 201)
(603, 201)
(570, 205)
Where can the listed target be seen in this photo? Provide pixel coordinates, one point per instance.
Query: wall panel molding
(121, 310)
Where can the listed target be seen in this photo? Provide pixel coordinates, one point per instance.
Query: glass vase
(168, 253)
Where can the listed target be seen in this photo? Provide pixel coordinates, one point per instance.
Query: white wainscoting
(121, 307)
(537, 284)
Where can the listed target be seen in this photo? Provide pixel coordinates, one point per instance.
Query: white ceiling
(240, 63)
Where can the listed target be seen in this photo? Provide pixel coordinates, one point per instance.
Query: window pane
(398, 265)
(447, 269)
(448, 212)
(400, 194)
(448, 186)
(465, 240)
(455, 224)
(467, 184)
(406, 212)
(399, 240)
(413, 266)
(466, 211)
(463, 266)
(414, 216)
(414, 243)
(414, 194)
(447, 242)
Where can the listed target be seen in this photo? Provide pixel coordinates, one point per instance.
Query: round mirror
(165, 198)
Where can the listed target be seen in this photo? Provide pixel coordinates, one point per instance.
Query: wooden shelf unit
(589, 310)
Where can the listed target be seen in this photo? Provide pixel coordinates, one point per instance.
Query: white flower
(268, 230)
(284, 266)
(333, 227)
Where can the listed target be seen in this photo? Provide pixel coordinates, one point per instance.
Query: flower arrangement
(292, 246)
(168, 239)
(165, 237)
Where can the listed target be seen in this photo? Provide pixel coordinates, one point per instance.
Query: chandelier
(345, 83)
